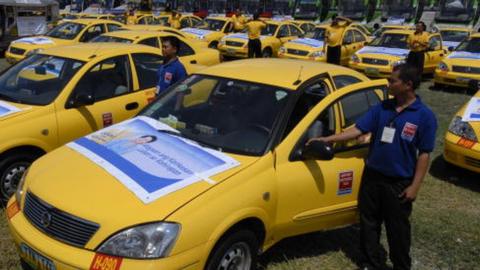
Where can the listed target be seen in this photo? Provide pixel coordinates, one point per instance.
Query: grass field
(445, 220)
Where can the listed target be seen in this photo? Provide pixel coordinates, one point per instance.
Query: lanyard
(397, 114)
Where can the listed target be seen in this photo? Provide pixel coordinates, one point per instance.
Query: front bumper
(13, 58)
(230, 51)
(461, 156)
(454, 78)
(300, 57)
(375, 71)
(66, 257)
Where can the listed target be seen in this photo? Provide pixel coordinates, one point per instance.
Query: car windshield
(71, 17)
(68, 30)
(38, 79)
(213, 24)
(269, 30)
(111, 39)
(391, 41)
(222, 113)
(161, 20)
(472, 45)
(456, 36)
(319, 34)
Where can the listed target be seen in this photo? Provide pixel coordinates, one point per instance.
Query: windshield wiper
(9, 98)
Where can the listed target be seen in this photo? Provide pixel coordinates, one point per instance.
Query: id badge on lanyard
(388, 134)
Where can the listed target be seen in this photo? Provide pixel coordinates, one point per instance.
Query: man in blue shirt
(403, 136)
(172, 69)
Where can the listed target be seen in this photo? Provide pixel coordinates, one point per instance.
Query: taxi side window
(228, 28)
(184, 49)
(112, 27)
(356, 105)
(153, 42)
(195, 21)
(348, 38)
(185, 22)
(107, 79)
(358, 36)
(93, 31)
(294, 31)
(344, 80)
(146, 66)
(435, 43)
(283, 32)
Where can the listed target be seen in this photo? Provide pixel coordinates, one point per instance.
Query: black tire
(213, 45)
(12, 168)
(267, 53)
(239, 247)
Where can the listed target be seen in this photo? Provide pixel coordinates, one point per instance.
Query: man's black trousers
(254, 48)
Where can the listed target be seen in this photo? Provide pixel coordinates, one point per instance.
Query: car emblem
(46, 219)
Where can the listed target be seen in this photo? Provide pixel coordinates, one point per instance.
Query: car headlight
(148, 241)
(201, 37)
(34, 51)
(222, 42)
(462, 129)
(355, 58)
(317, 54)
(19, 193)
(442, 66)
(399, 62)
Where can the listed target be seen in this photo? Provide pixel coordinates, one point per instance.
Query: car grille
(234, 43)
(18, 51)
(472, 162)
(463, 69)
(58, 224)
(374, 61)
(297, 52)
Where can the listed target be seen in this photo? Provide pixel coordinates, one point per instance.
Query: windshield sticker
(449, 44)
(280, 95)
(34, 40)
(472, 112)
(309, 42)
(466, 55)
(383, 50)
(6, 109)
(149, 160)
(345, 182)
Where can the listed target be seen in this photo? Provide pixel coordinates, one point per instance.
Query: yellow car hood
(463, 59)
(475, 124)
(201, 34)
(383, 53)
(39, 42)
(9, 110)
(71, 182)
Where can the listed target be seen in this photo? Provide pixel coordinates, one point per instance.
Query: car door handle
(193, 62)
(441, 54)
(131, 106)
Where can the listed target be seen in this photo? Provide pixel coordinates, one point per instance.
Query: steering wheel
(259, 127)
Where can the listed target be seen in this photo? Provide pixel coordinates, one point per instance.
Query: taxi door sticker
(12, 210)
(345, 182)
(408, 132)
(105, 262)
(107, 119)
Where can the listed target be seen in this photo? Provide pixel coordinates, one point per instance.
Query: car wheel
(267, 53)
(11, 171)
(213, 45)
(236, 251)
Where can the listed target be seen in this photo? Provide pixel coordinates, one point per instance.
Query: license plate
(463, 80)
(35, 259)
(371, 71)
(231, 51)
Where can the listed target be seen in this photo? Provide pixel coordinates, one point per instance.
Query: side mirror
(41, 70)
(451, 48)
(82, 99)
(318, 150)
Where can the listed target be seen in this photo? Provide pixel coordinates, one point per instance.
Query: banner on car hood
(147, 160)
(6, 109)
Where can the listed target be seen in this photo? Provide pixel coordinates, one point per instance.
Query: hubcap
(11, 178)
(237, 257)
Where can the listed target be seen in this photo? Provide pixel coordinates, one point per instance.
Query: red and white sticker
(105, 262)
(12, 210)
(408, 132)
(168, 77)
(345, 182)
(107, 119)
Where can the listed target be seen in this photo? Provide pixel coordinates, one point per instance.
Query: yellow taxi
(59, 95)
(224, 183)
(387, 27)
(192, 53)
(461, 65)
(153, 27)
(273, 36)
(68, 33)
(98, 16)
(362, 28)
(391, 49)
(453, 36)
(314, 49)
(185, 20)
(461, 139)
(211, 31)
(308, 27)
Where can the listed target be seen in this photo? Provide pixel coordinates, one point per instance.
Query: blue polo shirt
(169, 74)
(415, 129)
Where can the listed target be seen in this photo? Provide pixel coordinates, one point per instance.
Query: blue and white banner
(465, 55)
(314, 43)
(395, 20)
(6, 109)
(384, 50)
(200, 33)
(35, 40)
(472, 112)
(237, 35)
(149, 162)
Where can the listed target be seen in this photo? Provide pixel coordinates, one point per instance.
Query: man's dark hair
(423, 25)
(256, 15)
(408, 73)
(174, 41)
